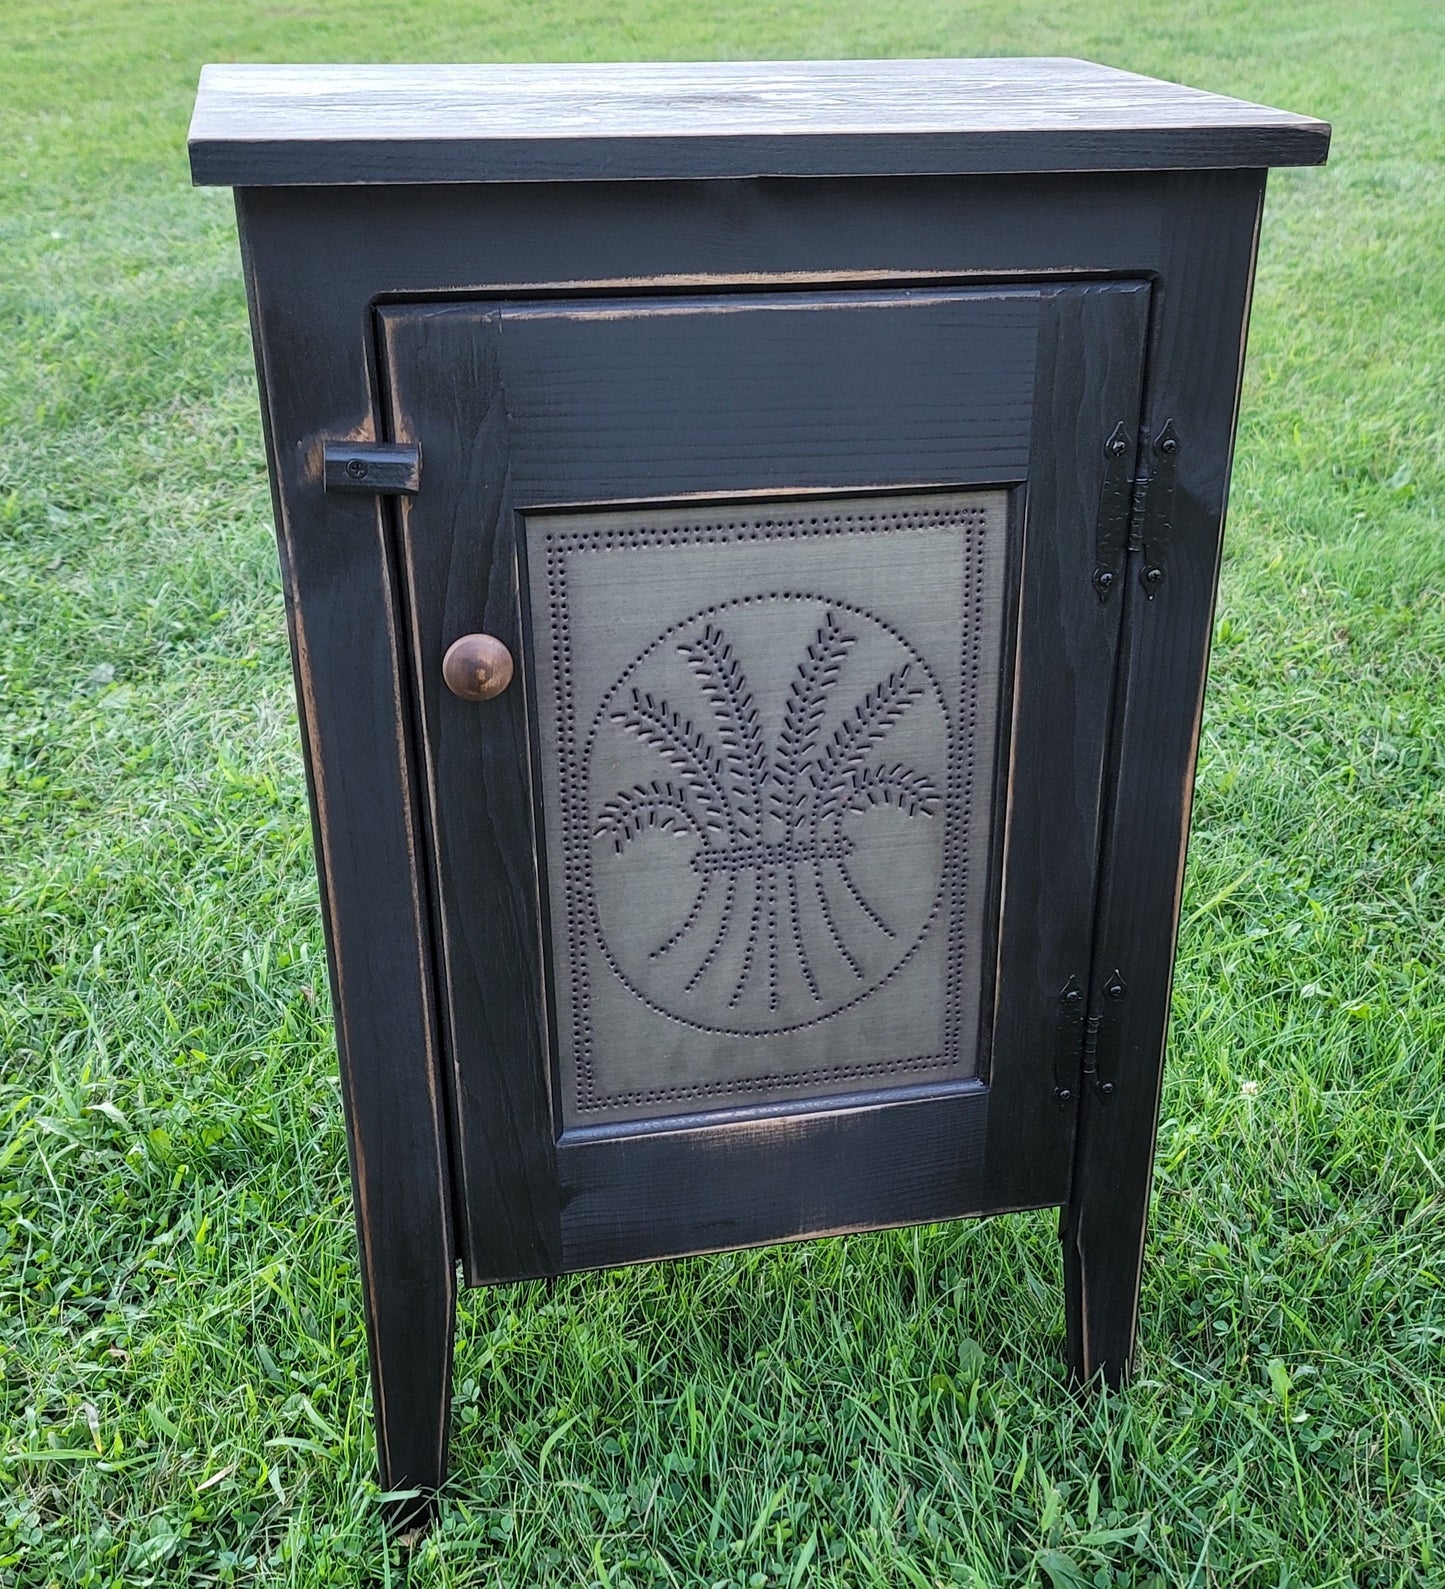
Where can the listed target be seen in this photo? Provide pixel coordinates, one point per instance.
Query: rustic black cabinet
(749, 536)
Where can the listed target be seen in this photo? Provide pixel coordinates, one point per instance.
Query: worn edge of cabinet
(1196, 364)
(564, 425)
(679, 1197)
(304, 125)
(386, 1049)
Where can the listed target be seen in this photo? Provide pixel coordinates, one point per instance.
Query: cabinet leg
(1103, 1242)
(411, 1318)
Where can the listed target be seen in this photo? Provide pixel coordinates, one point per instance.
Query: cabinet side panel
(345, 637)
(1196, 354)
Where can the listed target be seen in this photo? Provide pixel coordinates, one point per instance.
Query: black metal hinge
(1098, 1072)
(1084, 1031)
(1136, 511)
(1116, 497)
(378, 468)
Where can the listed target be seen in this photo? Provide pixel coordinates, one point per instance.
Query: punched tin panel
(767, 740)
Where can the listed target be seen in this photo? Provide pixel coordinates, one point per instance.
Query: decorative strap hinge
(1116, 497)
(1086, 1043)
(377, 468)
(1098, 1071)
(1136, 511)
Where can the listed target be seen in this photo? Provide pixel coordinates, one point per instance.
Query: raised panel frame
(561, 404)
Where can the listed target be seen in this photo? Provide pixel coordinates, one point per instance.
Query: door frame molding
(595, 1197)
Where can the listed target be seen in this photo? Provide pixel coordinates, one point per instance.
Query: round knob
(477, 667)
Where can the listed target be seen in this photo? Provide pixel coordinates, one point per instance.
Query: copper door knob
(477, 667)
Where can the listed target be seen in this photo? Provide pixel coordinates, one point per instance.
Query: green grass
(182, 1369)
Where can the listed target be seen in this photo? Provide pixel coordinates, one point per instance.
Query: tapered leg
(1102, 1232)
(411, 1308)
(348, 650)
(409, 1281)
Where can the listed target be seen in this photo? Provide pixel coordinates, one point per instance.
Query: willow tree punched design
(770, 820)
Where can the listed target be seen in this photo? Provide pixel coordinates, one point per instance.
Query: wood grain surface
(256, 125)
(1209, 234)
(342, 604)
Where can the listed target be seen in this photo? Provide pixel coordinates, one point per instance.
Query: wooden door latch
(377, 468)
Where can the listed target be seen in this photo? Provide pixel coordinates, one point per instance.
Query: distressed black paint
(714, 334)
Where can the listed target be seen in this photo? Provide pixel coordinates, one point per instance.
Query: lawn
(182, 1367)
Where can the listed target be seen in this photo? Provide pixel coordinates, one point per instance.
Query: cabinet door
(760, 892)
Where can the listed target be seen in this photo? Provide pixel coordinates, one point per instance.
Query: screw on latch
(1114, 987)
(371, 468)
(1168, 443)
(1153, 575)
(1117, 444)
(1104, 579)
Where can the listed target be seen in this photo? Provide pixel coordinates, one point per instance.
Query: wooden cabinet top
(262, 126)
